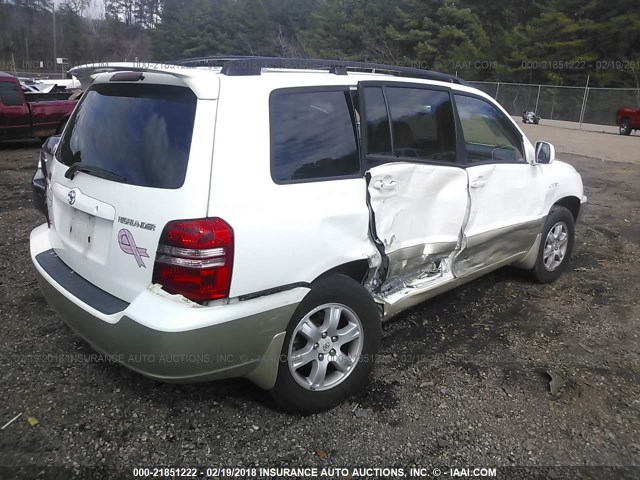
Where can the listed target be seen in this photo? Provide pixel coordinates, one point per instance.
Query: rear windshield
(141, 133)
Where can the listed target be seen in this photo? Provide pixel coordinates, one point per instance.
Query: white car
(262, 219)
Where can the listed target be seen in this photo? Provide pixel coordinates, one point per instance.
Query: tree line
(557, 42)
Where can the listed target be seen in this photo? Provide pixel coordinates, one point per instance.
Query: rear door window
(423, 123)
(313, 136)
(10, 94)
(141, 133)
(407, 122)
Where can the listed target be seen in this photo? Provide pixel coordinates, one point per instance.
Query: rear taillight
(195, 259)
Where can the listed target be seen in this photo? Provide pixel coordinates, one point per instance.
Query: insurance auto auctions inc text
(374, 472)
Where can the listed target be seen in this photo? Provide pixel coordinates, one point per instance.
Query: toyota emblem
(71, 197)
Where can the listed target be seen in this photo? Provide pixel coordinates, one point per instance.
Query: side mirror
(545, 152)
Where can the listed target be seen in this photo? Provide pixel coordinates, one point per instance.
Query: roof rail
(253, 65)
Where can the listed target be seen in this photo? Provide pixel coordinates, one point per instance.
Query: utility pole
(584, 101)
(55, 53)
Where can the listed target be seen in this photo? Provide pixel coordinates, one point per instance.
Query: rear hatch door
(135, 155)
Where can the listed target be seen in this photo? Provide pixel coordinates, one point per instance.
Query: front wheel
(625, 127)
(556, 245)
(330, 346)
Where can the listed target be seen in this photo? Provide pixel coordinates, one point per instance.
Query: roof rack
(253, 65)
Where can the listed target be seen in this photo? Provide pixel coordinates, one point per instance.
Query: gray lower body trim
(489, 248)
(482, 254)
(414, 297)
(435, 249)
(411, 261)
(529, 260)
(231, 349)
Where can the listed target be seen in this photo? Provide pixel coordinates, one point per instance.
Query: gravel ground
(461, 380)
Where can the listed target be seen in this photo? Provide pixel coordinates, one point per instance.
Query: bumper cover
(242, 339)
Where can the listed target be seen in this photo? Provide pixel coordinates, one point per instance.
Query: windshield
(141, 133)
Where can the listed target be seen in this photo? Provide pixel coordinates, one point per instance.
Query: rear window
(10, 94)
(312, 136)
(139, 132)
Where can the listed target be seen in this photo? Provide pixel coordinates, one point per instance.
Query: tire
(625, 127)
(556, 245)
(339, 303)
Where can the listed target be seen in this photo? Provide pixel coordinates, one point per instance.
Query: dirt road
(606, 146)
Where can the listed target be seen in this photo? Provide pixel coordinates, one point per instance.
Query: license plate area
(81, 230)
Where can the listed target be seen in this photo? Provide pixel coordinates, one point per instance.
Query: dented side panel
(418, 211)
(507, 212)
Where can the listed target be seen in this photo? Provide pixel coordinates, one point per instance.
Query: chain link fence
(571, 104)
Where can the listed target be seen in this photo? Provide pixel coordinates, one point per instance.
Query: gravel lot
(461, 380)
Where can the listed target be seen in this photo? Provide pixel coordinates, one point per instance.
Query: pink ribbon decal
(128, 245)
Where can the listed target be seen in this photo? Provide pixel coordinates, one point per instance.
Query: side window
(488, 134)
(423, 123)
(312, 136)
(10, 94)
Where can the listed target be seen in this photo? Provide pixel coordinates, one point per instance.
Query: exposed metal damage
(416, 238)
(420, 219)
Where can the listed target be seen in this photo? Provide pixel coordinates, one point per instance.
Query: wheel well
(572, 204)
(356, 270)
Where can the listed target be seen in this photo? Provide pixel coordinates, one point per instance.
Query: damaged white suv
(261, 219)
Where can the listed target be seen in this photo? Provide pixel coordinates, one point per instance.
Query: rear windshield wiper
(98, 172)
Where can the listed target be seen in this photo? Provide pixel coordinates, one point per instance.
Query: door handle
(479, 182)
(380, 185)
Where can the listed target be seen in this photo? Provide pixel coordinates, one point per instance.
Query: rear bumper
(164, 337)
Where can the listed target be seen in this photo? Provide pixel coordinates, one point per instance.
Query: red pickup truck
(628, 119)
(22, 118)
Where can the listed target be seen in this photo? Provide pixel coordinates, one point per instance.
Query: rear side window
(10, 94)
(139, 132)
(312, 136)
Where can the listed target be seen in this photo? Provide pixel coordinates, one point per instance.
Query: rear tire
(556, 245)
(625, 127)
(330, 346)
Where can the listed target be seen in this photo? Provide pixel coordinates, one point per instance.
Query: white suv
(261, 219)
